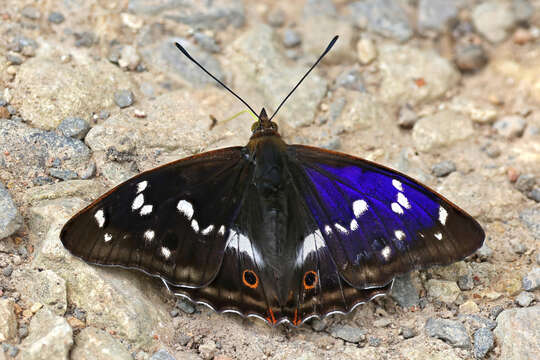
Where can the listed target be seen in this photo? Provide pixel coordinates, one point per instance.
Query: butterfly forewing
(376, 222)
(171, 222)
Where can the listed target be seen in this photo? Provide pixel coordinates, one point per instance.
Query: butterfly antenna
(184, 51)
(307, 73)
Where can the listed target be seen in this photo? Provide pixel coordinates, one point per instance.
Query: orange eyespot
(310, 279)
(250, 279)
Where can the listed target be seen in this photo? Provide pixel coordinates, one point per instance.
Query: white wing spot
(100, 217)
(195, 225)
(149, 235)
(359, 207)
(385, 252)
(311, 244)
(397, 184)
(396, 208)
(443, 214)
(185, 208)
(207, 230)
(400, 235)
(137, 202)
(403, 201)
(146, 209)
(341, 228)
(221, 230)
(165, 252)
(438, 235)
(327, 229)
(241, 243)
(354, 225)
(142, 186)
(107, 237)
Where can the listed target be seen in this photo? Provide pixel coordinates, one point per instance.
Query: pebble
(56, 17)
(129, 58)
(124, 98)
(10, 219)
(14, 58)
(19, 42)
(31, 12)
(404, 292)
(366, 50)
(23, 331)
(208, 349)
(407, 117)
(385, 17)
(523, 10)
(85, 39)
(291, 38)
(517, 333)
(374, 341)
(493, 19)
(531, 281)
(470, 57)
(522, 36)
(444, 168)
(443, 290)
(450, 331)
(483, 342)
(351, 79)
(185, 306)
(318, 324)
(62, 174)
(436, 15)
(348, 333)
(8, 321)
(510, 126)
(466, 282)
(531, 218)
(162, 354)
(485, 252)
(525, 183)
(206, 42)
(517, 246)
(174, 313)
(495, 311)
(468, 307)
(11, 350)
(535, 194)
(7, 271)
(276, 18)
(408, 333)
(524, 299)
(74, 127)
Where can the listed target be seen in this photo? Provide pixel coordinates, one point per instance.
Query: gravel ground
(93, 92)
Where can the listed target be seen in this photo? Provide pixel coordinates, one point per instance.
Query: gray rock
(401, 68)
(7, 271)
(510, 126)
(31, 12)
(318, 324)
(85, 39)
(56, 17)
(319, 7)
(74, 127)
(466, 282)
(531, 281)
(494, 19)
(436, 15)
(19, 42)
(276, 18)
(443, 290)
(206, 42)
(483, 342)
(92, 343)
(291, 38)
(442, 129)
(485, 252)
(351, 79)
(50, 337)
(525, 183)
(408, 333)
(348, 333)
(162, 354)
(531, 218)
(404, 292)
(523, 10)
(124, 98)
(450, 331)
(495, 311)
(10, 219)
(9, 349)
(385, 17)
(14, 59)
(8, 321)
(185, 305)
(407, 117)
(474, 321)
(208, 349)
(535, 194)
(470, 57)
(517, 333)
(517, 246)
(44, 287)
(524, 299)
(129, 58)
(444, 168)
(217, 14)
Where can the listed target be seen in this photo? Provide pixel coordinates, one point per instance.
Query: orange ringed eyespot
(310, 279)
(250, 279)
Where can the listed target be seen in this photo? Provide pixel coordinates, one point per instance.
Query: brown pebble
(522, 36)
(513, 174)
(4, 113)
(75, 323)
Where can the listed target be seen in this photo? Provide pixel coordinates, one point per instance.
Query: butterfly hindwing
(170, 222)
(376, 222)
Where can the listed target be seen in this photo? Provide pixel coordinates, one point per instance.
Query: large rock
(441, 129)
(50, 337)
(10, 219)
(46, 91)
(452, 332)
(95, 344)
(265, 71)
(411, 75)
(517, 333)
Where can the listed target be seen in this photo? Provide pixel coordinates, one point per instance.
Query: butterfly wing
(376, 222)
(170, 222)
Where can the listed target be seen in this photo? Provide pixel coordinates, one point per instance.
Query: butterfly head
(264, 126)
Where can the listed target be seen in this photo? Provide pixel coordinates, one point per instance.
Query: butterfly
(270, 230)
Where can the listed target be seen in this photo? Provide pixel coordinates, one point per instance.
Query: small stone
(11, 350)
(366, 50)
(7, 271)
(318, 324)
(85, 39)
(348, 333)
(382, 322)
(444, 168)
(510, 126)
(436, 15)
(404, 292)
(8, 321)
(484, 252)
(75, 323)
(23, 331)
(14, 58)
(10, 219)
(493, 19)
(443, 290)
(351, 79)
(483, 342)
(124, 98)
(374, 341)
(31, 12)
(185, 306)
(276, 18)
(523, 11)
(518, 247)
(517, 333)
(139, 113)
(531, 281)
(291, 38)
(465, 282)
(470, 57)
(407, 117)
(174, 313)
(522, 36)
(495, 311)
(208, 349)
(525, 183)
(162, 354)
(468, 307)
(408, 332)
(74, 127)
(206, 42)
(535, 194)
(524, 299)
(452, 332)
(63, 174)
(35, 307)
(129, 58)
(56, 17)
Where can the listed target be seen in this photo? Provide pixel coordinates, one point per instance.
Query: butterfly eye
(310, 279)
(250, 279)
